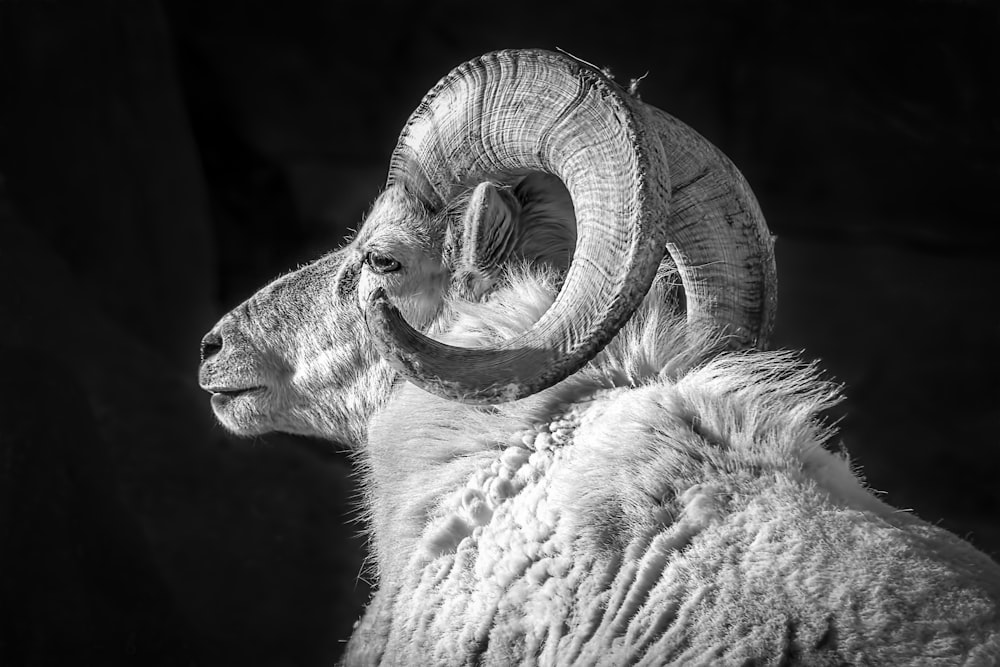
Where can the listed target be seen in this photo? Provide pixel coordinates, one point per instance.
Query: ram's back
(658, 507)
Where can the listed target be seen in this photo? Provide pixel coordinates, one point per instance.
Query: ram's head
(514, 156)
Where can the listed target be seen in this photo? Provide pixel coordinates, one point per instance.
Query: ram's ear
(484, 239)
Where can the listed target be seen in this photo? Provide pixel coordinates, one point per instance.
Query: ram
(589, 463)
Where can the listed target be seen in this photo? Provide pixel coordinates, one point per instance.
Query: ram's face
(296, 356)
(275, 361)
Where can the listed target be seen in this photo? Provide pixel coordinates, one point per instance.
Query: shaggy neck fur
(754, 411)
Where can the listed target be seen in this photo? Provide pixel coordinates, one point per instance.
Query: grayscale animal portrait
(437, 333)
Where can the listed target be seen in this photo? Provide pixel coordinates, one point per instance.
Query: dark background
(159, 161)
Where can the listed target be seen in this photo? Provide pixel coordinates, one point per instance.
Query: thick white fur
(666, 504)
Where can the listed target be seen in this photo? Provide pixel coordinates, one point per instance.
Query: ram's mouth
(226, 394)
(234, 392)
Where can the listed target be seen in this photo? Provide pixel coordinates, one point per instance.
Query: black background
(159, 161)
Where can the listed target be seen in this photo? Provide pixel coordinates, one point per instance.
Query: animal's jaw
(243, 399)
(254, 408)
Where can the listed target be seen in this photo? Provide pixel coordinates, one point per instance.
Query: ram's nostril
(210, 345)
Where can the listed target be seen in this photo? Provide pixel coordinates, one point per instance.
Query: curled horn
(519, 111)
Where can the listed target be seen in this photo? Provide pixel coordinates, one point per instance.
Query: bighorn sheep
(630, 492)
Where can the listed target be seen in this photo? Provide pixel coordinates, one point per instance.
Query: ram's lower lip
(221, 396)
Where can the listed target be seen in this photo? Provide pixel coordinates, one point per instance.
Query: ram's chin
(245, 413)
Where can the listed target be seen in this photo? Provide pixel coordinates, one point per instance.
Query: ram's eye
(381, 263)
